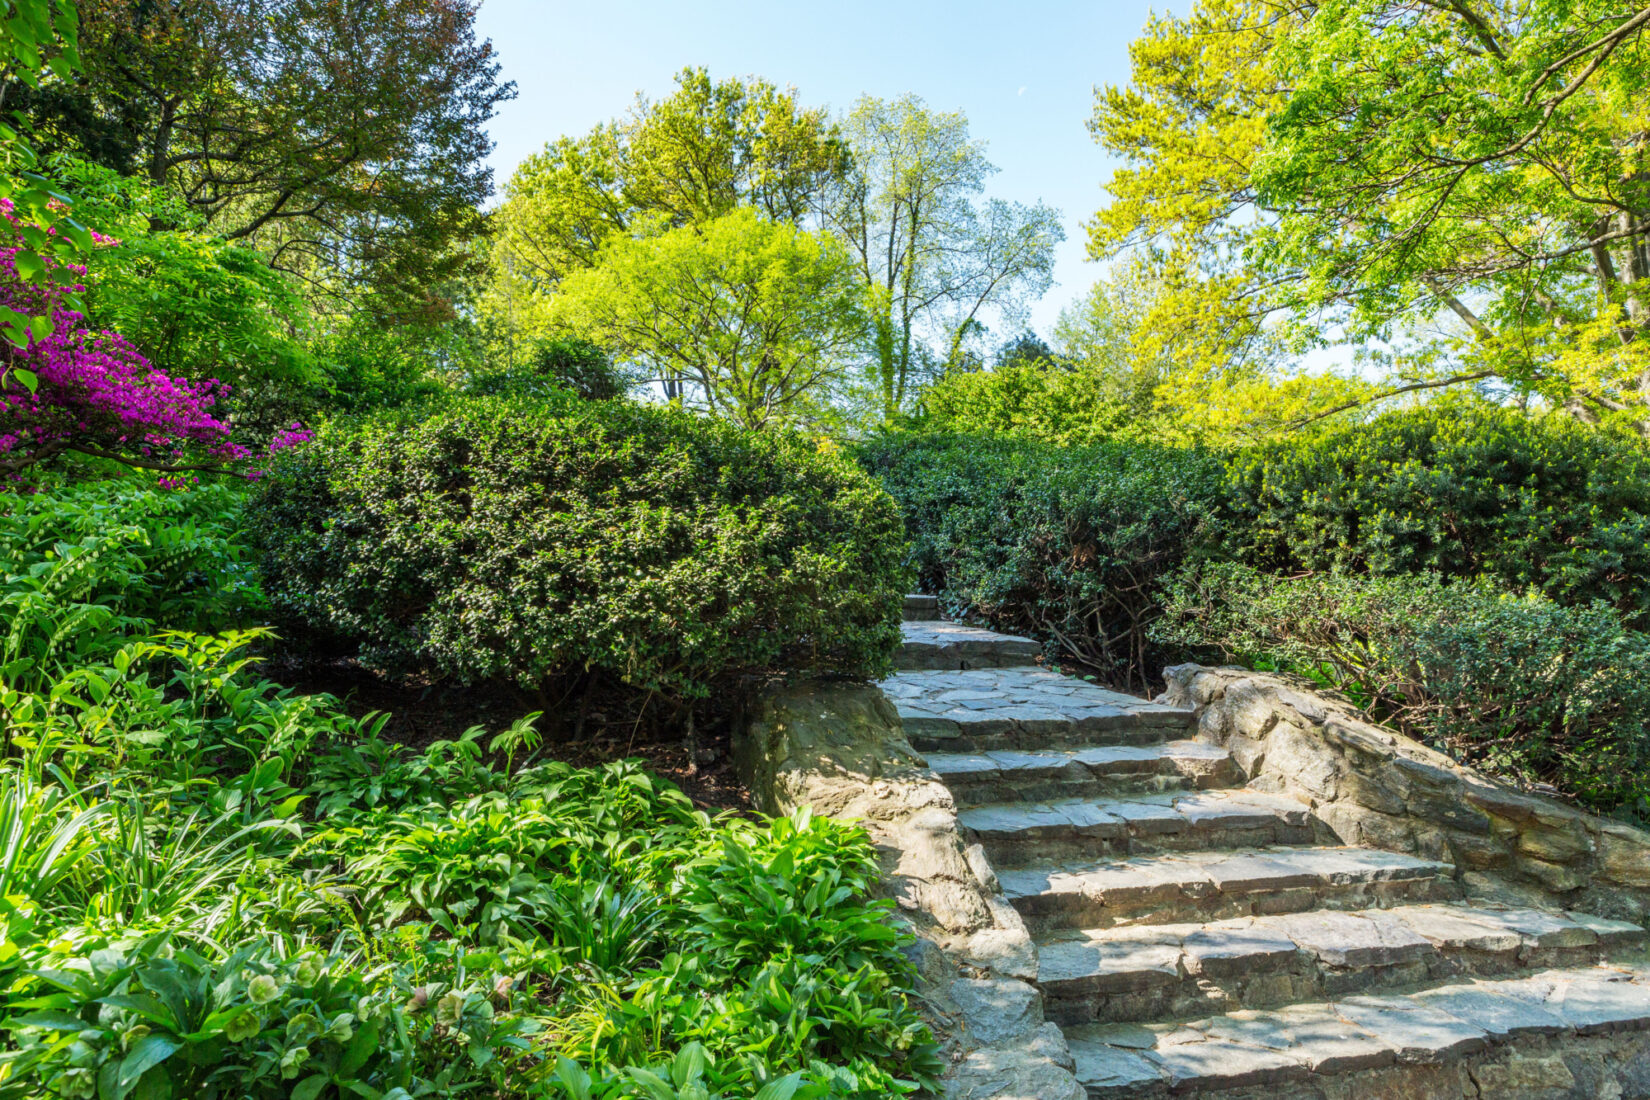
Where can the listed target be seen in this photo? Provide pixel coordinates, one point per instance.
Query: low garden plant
(1525, 686)
(212, 886)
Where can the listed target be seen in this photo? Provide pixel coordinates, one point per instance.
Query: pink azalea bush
(94, 393)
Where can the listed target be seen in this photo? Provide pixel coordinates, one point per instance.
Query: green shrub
(1064, 544)
(83, 569)
(1033, 399)
(1543, 502)
(369, 366)
(1524, 686)
(522, 539)
(566, 365)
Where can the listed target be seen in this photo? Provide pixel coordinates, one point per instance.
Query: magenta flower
(93, 392)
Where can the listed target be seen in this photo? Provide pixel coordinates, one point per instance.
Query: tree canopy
(344, 140)
(1361, 170)
(744, 316)
(932, 257)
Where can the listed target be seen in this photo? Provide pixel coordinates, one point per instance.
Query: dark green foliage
(218, 887)
(578, 366)
(1520, 684)
(369, 366)
(526, 539)
(1026, 349)
(85, 568)
(563, 365)
(1549, 503)
(1064, 544)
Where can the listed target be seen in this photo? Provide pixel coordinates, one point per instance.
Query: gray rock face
(1005, 1074)
(1376, 788)
(920, 608)
(998, 1009)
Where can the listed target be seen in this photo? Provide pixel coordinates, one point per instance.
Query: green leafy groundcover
(528, 538)
(213, 887)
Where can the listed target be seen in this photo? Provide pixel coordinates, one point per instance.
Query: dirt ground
(422, 712)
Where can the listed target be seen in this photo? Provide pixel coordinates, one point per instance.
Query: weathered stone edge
(840, 749)
(1377, 788)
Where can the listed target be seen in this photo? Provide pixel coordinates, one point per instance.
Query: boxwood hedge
(1543, 502)
(1064, 544)
(524, 539)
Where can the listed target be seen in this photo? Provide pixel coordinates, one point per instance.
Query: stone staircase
(1197, 937)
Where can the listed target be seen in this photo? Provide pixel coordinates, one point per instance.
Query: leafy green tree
(1033, 399)
(1365, 169)
(202, 308)
(933, 259)
(1027, 348)
(689, 158)
(1146, 339)
(345, 141)
(1489, 160)
(38, 41)
(748, 318)
(1183, 323)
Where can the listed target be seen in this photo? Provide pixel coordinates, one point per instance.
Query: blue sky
(1023, 73)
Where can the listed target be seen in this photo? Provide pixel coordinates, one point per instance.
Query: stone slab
(1046, 703)
(1110, 1071)
(1353, 940)
(1416, 1031)
(939, 644)
(1252, 1053)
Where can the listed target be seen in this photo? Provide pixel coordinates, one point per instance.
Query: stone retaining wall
(1376, 788)
(840, 748)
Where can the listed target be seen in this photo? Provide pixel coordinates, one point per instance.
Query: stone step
(920, 608)
(937, 645)
(1475, 1038)
(1187, 887)
(1005, 775)
(1164, 971)
(1028, 709)
(1015, 834)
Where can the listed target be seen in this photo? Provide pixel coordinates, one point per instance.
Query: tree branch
(1475, 376)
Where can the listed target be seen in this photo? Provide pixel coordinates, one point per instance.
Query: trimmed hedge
(525, 539)
(1521, 685)
(1064, 544)
(1548, 503)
